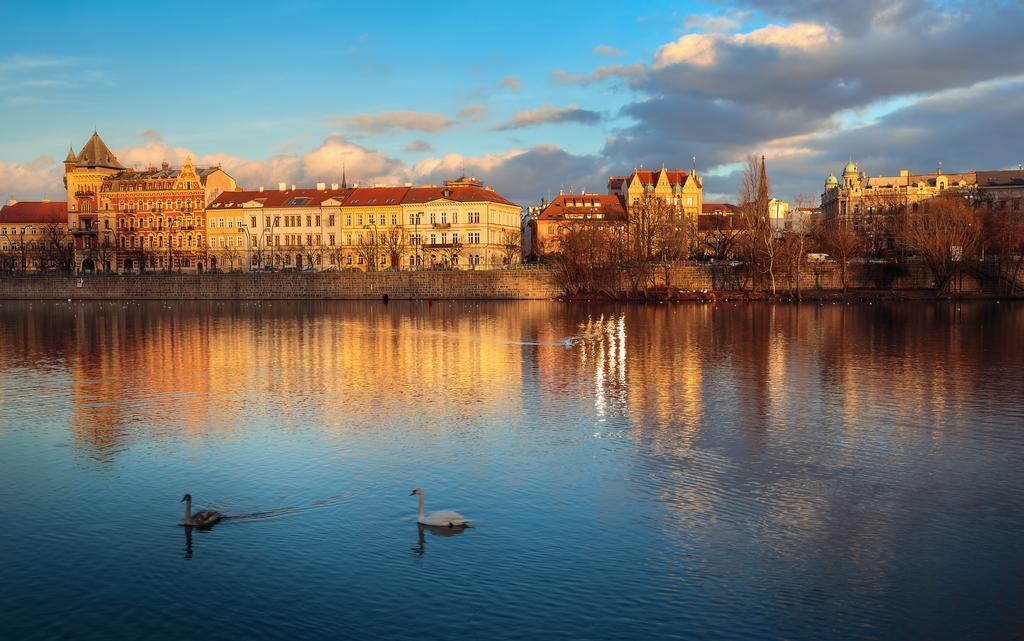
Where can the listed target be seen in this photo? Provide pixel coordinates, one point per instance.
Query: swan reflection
(442, 531)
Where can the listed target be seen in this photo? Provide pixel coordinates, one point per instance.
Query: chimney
(164, 165)
(281, 186)
(261, 189)
(904, 173)
(321, 186)
(12, 201)
(334, 186)
(293, 187)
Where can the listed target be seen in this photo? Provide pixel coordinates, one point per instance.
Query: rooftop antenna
(693, 167)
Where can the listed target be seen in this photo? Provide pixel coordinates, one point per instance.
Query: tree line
(950, 235)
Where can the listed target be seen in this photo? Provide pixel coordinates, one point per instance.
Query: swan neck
(188, 511)
(421, 505)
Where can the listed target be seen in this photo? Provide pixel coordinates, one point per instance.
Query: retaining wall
(497, 284)
(515, 284)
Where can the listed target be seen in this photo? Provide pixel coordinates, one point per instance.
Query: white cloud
(392, 121)
(609, 51)
(702, 49)
(512, 82)
(546, 114)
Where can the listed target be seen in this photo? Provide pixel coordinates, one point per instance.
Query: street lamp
(248, 247)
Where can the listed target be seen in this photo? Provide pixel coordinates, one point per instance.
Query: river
(731, 471)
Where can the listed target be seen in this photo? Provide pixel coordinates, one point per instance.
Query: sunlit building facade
(460, 225)
(126, 220)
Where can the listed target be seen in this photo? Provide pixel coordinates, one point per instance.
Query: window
(455, 238)
(382, 219)
(330, 240)
(359, 219)
(433, 239)
(309, 221)
(348, 219)
(432, 216)
(444, 218)
(317, 221)
(394, 219)
(252, 221)
(474, 237)
(330, 220)
(474, 217)
(444, 239)
(455, 218)
(689, 200)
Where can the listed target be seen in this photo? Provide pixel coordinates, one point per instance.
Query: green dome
(850, 168)
(831, 180)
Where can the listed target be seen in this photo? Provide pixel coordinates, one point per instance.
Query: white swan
(442, 518)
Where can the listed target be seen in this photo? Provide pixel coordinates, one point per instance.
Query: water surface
(686, 472)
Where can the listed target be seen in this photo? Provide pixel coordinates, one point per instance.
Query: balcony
(441, 225)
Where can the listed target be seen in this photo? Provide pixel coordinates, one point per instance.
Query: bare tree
(511, 246)
(396, 240)
(106, 254)
(838, 240)
(758, 242)
(58, 248)
(796, 241)
(369, 246)
(945, 232)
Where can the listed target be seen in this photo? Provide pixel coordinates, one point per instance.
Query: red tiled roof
(714, 208)
(372, 196)
(584, 205)
(277, 198)
(675, 177)
(466, 194)
(45, 212)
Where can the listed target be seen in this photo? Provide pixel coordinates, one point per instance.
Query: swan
(442, 518)
(201, 518)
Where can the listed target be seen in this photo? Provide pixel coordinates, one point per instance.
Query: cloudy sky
(532, 97)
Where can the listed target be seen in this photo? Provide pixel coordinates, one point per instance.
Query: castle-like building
(683, 191)
(124, 220)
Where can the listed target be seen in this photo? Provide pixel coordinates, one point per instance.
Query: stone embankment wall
(515, 284)
(499, 284)
(814, 276)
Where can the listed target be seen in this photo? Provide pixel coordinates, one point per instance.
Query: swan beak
(413, 493)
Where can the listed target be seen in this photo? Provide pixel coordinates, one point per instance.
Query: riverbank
(512, 284)
(700, 283)
(856, 295)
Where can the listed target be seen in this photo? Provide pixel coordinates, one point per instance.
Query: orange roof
(719, 208)
(466, 194)
(45, 212)
(375, 196)
(674, 176)
(609, 206)
(277, 198)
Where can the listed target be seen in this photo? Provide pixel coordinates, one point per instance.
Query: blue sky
(533, 97)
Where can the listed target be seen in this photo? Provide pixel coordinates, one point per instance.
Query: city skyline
(531, 99)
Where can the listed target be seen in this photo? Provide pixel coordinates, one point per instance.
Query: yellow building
(461, 225)
(683, 190)
(126, 220)
(33, 236)
(867, 204)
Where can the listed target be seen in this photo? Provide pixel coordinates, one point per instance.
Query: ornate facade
(868, 204)
(125, 220)
(684, 191)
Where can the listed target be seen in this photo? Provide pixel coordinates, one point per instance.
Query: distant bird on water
(201, 518)
(442, 518)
